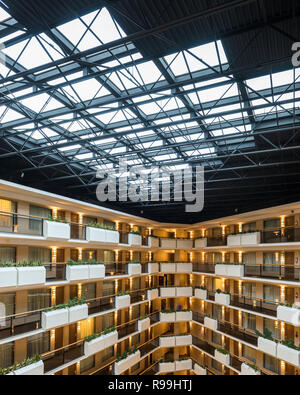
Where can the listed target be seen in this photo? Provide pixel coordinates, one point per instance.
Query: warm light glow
(53, 296)
(282, 259)
(79, 291)
(90, 255)
(79, 253)
(223, 256)
(117, 225)
(54, 254)
(240, 287)
(240, 257)
(54, 212)
(131, 255)
(240, 228)
(203, 232)
(282, 293)
(223, 230)
(282, 221)
(116, 255)
(80, 217)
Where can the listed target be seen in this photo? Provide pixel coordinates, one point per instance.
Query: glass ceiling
(92, 108)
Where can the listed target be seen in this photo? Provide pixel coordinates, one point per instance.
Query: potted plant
(100, 341)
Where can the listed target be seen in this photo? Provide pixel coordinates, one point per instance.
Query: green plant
(168, 311)
(71, 303)
(76, 302)
(290, 343)
(7, 264)
(101, 226)
(134, 262)
(29, 264)
(219, 291)
(123, 293)
(127, 353)
(134, 232)
(254, 367)
(100, 334)
(28, 361)
(222, 351)
(266, 335)
(57, 219)
(286, 304)
(203, 287)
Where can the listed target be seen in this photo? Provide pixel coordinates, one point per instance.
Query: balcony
(100, 235)
(134, 239)
(200, 243)
(238, 332)
(184, 244)
(254, 304)
(21, 224)
(78, 232)
(217, 241)
(153, 242)
(56, 359)
(55, 272)
(273, 272)
(19, 324)
(244, 239)
(56, 230)
(168, 244)
(204, 268)
(281, 235)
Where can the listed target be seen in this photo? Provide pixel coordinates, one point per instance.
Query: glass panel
(249, 353)
(217, 338)
(271, 261)
(272, 326)
(89, 291)
(39, 299)
(249, 257)
(89, 255)
(7, 254)
(87, 364)
(38, 344)
(271, 293)
(251, 226)
(108, 321)
(272, 223)
(108, 288)
(271, 364)
(6, 355)
(249, 321)
(39, 254)
(7, 304)
(217, 311)
(249, 290)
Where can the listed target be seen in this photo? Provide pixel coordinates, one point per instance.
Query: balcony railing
(20, 224)
(57, 358)
(254, 304)
(78, 232)
(55, 272)
(216, 241)
(204, 268)
(238, 332)
(281, 235)
(19, 324)
(280, 272)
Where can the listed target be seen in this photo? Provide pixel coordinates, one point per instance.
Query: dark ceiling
(257, 168)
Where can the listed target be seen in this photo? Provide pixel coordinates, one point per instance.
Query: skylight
(92, 30)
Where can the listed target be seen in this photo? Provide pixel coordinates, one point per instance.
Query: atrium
(149, 188)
